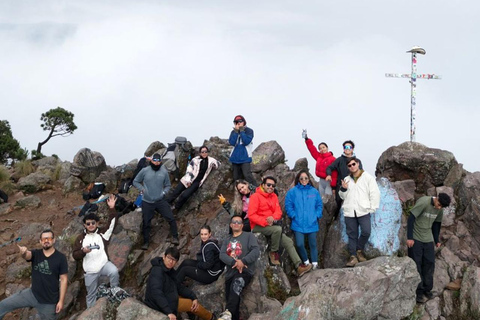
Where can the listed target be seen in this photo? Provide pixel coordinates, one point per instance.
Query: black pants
(423, 253)
(233, 288)
(243, 171)
(148, 210)
(354, 242)
(188, 268)
(182, 193)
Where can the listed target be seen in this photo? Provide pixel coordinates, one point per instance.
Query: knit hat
(240, 117)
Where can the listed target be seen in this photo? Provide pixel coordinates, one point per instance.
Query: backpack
(93, 191)
(87, 208)
(3, 196)
(115, 294)
(123, 206)
(171, 154)
(125, 185)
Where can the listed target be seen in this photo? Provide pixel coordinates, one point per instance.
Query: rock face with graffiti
(381, 288)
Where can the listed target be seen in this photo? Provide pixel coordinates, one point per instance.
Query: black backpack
(87, 208)
(125, 185)
(93, 191)
(123, 206)
(3, 196)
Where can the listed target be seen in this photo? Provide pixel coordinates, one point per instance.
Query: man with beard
(153, 181)
(48, 267)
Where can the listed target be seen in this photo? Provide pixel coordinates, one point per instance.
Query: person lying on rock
(240, 203)
(208, 266)
(49, 280)
(239, 253)
(166, 294)
(265, 217)
(91, 247)
(423, 230)
(361, 198)
(197, 171)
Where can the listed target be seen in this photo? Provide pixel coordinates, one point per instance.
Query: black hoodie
(163, 289)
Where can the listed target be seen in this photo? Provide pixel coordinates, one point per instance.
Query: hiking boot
(421, 299)
(302, 269)
(274, 258)
(226, 315)
(352, 262)
(175, 241)
(361, 257)
(145, 246)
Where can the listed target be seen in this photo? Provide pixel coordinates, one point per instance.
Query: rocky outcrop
(34, 182)
(87, 165)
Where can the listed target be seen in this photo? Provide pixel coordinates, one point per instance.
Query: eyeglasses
(171, 259)
(91, 223)
(303, 178)
(46, 239)
(236, 222)
(270, 185)
(203, 151)
(348, 147)
(352, 164)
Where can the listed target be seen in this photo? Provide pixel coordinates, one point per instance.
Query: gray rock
(470, 292)
(405, 190)
(455, 266)
(440, 277)
(28, 202)
(5, 208)
(154, 146)
(45, 161)
(73, 184)
(267, 156)
(87, 165)
(433, 308)
(34, 182)
(99, 311)
(448, 307)
(132, 309)
(109, 177)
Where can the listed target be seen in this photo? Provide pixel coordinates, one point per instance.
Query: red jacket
(261, 206)
(323, 161)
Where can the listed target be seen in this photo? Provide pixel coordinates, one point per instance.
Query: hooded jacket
(263, 205)
(361, 197)
(94, 261)
(209, 258)
(242, 146)
(304, 206)
(163, 289)
(323, 161)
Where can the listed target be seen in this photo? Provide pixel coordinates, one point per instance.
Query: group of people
(255, 210)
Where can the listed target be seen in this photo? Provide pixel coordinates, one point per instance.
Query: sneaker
(175, 241)
(302, 269)
(274, 258)
(145, 246)
(361, 257)
(226, 315)
(315, 265)
(352, 262)
(421, 299)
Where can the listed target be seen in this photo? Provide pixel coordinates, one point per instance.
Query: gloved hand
(304, 134)
(241, 129)
(222, 199)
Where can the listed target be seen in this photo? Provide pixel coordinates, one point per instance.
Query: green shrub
(24, 168)
(8, 187)
(4, 174)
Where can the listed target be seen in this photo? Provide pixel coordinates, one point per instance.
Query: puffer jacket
(304, 206)
(323, 161)
(263, 205)
(242, 146)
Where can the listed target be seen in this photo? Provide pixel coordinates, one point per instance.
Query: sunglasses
(90, 223)
(46, 239)
(303, 178)
(352, 164)
(238, 121)
(236, 222)
(270, 185)
(203, 151)
(156, 160)
(348, 147)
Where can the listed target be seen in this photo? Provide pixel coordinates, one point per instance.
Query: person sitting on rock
(166, 294)
(197, 171)
(265, 217)
(91, 247)
(304, 206)
(208, 266)
(241, 138)
(239, 253)
(423, 230)
(153, 181)
(49, 280)
(324, 158)
(240, 204)
(361, 198)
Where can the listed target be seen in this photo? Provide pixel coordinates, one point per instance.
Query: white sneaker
(226, 315)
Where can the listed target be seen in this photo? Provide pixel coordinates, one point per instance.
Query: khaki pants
(185, 305)
(276, 236)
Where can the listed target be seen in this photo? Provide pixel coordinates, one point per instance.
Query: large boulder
(428, 167)
(470, 292)
(266, 156)
(34, 182)
(132, 309)
(28, 202)
(87, 165)
(382, 288)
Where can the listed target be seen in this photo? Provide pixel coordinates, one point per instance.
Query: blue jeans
(312, 243)
(23, 299)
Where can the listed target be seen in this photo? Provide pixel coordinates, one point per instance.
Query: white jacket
(193, 169)
(362, 197)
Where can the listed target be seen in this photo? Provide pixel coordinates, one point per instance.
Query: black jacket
(208, 258)
(163, 289)
(340, 164)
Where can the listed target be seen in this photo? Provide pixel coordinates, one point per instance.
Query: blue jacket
(304, 206)
(242, 146)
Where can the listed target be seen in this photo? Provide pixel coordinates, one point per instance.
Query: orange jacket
(261, 206)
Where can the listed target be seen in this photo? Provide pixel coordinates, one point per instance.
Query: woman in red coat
(324, 158)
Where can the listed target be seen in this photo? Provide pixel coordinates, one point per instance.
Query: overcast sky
(137, 72)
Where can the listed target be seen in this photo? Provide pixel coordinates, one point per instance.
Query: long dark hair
(297, 178)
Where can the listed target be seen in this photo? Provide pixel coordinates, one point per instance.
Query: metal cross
(413, 81)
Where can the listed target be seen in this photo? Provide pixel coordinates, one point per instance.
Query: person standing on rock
(197, 171)
(265, 217)
(304, 206)
(324, 158)
(239, 252)
(423, 230)
(361, 198)
(91, 247)
(340, 165)
(166, 294)
(49, 280)
(241, 138)
(154, 183)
